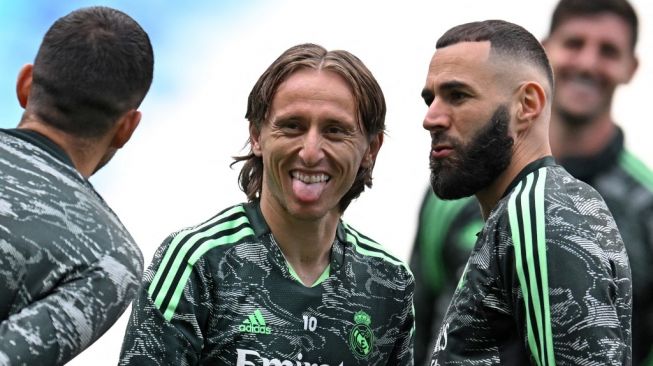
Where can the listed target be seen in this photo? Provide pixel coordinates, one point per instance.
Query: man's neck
(490, 196)
(306, 244)
(569, 140)
(84, 155)
(524, 153)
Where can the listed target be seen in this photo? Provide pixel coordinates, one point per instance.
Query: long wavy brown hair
(369, 99)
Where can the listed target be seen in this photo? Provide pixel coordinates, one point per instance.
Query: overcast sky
(208, 54)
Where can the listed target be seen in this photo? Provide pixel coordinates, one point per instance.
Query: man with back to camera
(69, 267)
(281, 279)
(591, 46)
(548, 280)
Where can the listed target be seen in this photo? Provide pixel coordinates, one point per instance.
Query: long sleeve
(165, 324)
(54, 329)
(573, 306)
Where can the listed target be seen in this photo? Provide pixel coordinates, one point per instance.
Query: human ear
(254, 139)
(125, 128)
(531, 100)
(372, 151)
(24, 84)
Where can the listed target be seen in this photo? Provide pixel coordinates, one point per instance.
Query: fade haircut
(567, 9)
(505, 39)
(93, 65)
(368, 98)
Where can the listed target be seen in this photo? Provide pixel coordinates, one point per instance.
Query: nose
(438, 116)
(312, 151)
(587, 58)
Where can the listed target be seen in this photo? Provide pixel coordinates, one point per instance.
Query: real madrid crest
(361, 338)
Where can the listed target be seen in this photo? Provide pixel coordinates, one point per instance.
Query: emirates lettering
(252, 358)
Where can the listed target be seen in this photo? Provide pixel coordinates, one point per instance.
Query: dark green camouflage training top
(222, 293)
(447, 233)
(68, 267)
(547, 283)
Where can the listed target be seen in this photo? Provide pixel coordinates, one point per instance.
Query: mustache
(453, 159)
(440, 138)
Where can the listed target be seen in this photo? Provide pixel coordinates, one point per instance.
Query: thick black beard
(476, 165)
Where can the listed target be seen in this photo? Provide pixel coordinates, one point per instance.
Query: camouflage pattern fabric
(547, 283)
(68, 267)
(447, 233)
(222, 293)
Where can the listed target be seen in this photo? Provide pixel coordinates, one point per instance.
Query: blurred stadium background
(208, 54)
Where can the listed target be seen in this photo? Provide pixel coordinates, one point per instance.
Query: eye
(337, 131)
(289, 125)
(609, 50)
(573, 43)
(334, 130)
(456, 96)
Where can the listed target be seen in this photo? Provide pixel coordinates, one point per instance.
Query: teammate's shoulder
(528, 192)
(230, 226)
(184, 251)
(371, 249)
(552, 182)
(636, 169)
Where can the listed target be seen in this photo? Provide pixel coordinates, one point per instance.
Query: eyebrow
(454, 84)
(449, 85)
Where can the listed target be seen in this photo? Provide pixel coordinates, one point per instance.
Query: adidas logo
(255, 324)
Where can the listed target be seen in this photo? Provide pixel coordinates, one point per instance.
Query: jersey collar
(586, 168)
(41, 141)
(528, 169)
(260, 226)
(255, 216)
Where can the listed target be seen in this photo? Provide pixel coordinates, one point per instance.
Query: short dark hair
(505, 38)
(93, 65)
(369, 99)
(567, 9)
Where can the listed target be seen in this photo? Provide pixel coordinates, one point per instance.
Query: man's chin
(448, 195)
(310, 211)
(579, 114)
(448, 190)
(576, 118)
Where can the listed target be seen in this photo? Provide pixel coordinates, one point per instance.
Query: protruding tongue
(307, 192)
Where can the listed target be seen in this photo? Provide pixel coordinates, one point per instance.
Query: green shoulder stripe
(369, 247)
(529, 240)
(186, 248)
(197, 254)
(184, 234)
(637, 169)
